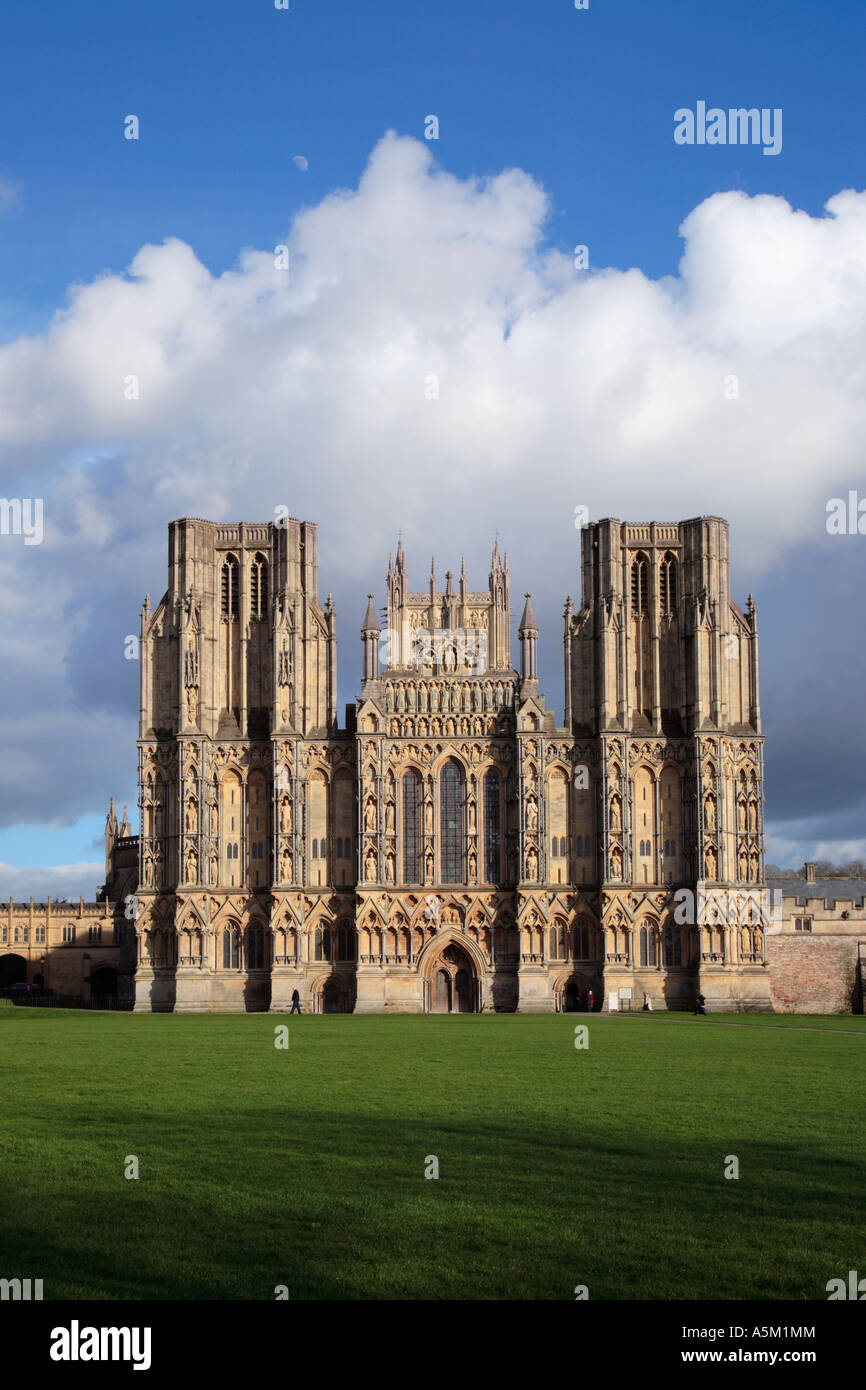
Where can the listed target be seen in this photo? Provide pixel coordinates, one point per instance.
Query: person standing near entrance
(296, 1003)
(590, 1001)
(647, 1003)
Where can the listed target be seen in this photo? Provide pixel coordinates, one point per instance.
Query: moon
(301, 162)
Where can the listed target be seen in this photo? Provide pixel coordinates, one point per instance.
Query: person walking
(647, 1003)
(590, 999)
(296, 1002)
(701, 1005)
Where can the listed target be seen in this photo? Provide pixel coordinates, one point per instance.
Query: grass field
(305, 1166)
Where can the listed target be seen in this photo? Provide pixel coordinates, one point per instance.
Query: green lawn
(305, 1167)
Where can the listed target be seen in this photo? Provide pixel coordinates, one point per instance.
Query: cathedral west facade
(453, 847)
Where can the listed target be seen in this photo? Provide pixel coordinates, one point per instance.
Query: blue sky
(582, 103)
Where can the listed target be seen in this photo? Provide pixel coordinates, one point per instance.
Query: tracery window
(492, 827)
(231, 948)
(668, 585)
(451, 823)
(640, 585)
(259, 587)
(673, 946)
(229, 587)
(255, 948)
(411, 827)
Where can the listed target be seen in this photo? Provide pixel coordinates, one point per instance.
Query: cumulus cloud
(428, 362)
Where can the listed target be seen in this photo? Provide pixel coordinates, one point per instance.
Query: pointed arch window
(492, 827)
(231, 948)
(451, 823)
(673, 948)
(668, 584)
(640, 585)
(259, 587)
(229, 587)
(255, 948)
(582, 942)
(411, 827)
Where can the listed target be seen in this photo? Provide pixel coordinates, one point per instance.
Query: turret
(370, 634)
(528, 634)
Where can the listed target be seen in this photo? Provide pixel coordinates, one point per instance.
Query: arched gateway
(451, 984)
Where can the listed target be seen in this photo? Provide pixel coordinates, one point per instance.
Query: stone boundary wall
(816, 974)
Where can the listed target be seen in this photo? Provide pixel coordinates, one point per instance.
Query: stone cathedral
(452, 848)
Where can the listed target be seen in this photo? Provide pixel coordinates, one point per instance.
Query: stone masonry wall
(815, 974)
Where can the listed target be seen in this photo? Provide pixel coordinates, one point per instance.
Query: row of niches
(447, 726)
(448, 697)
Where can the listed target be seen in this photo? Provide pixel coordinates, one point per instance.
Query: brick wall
(815, 974)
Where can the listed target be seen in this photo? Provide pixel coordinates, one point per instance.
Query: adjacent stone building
(452, 848)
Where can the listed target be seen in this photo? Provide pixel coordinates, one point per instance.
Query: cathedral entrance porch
(450, 982)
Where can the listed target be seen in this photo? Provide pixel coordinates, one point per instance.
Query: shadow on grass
(336, 1206)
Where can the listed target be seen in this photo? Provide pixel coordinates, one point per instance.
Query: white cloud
(261, 387)
(608, 388)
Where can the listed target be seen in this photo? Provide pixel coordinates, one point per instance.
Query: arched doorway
(572, 993)
(453, 982)
(13, 970)
(333, 995)
(103, 983)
